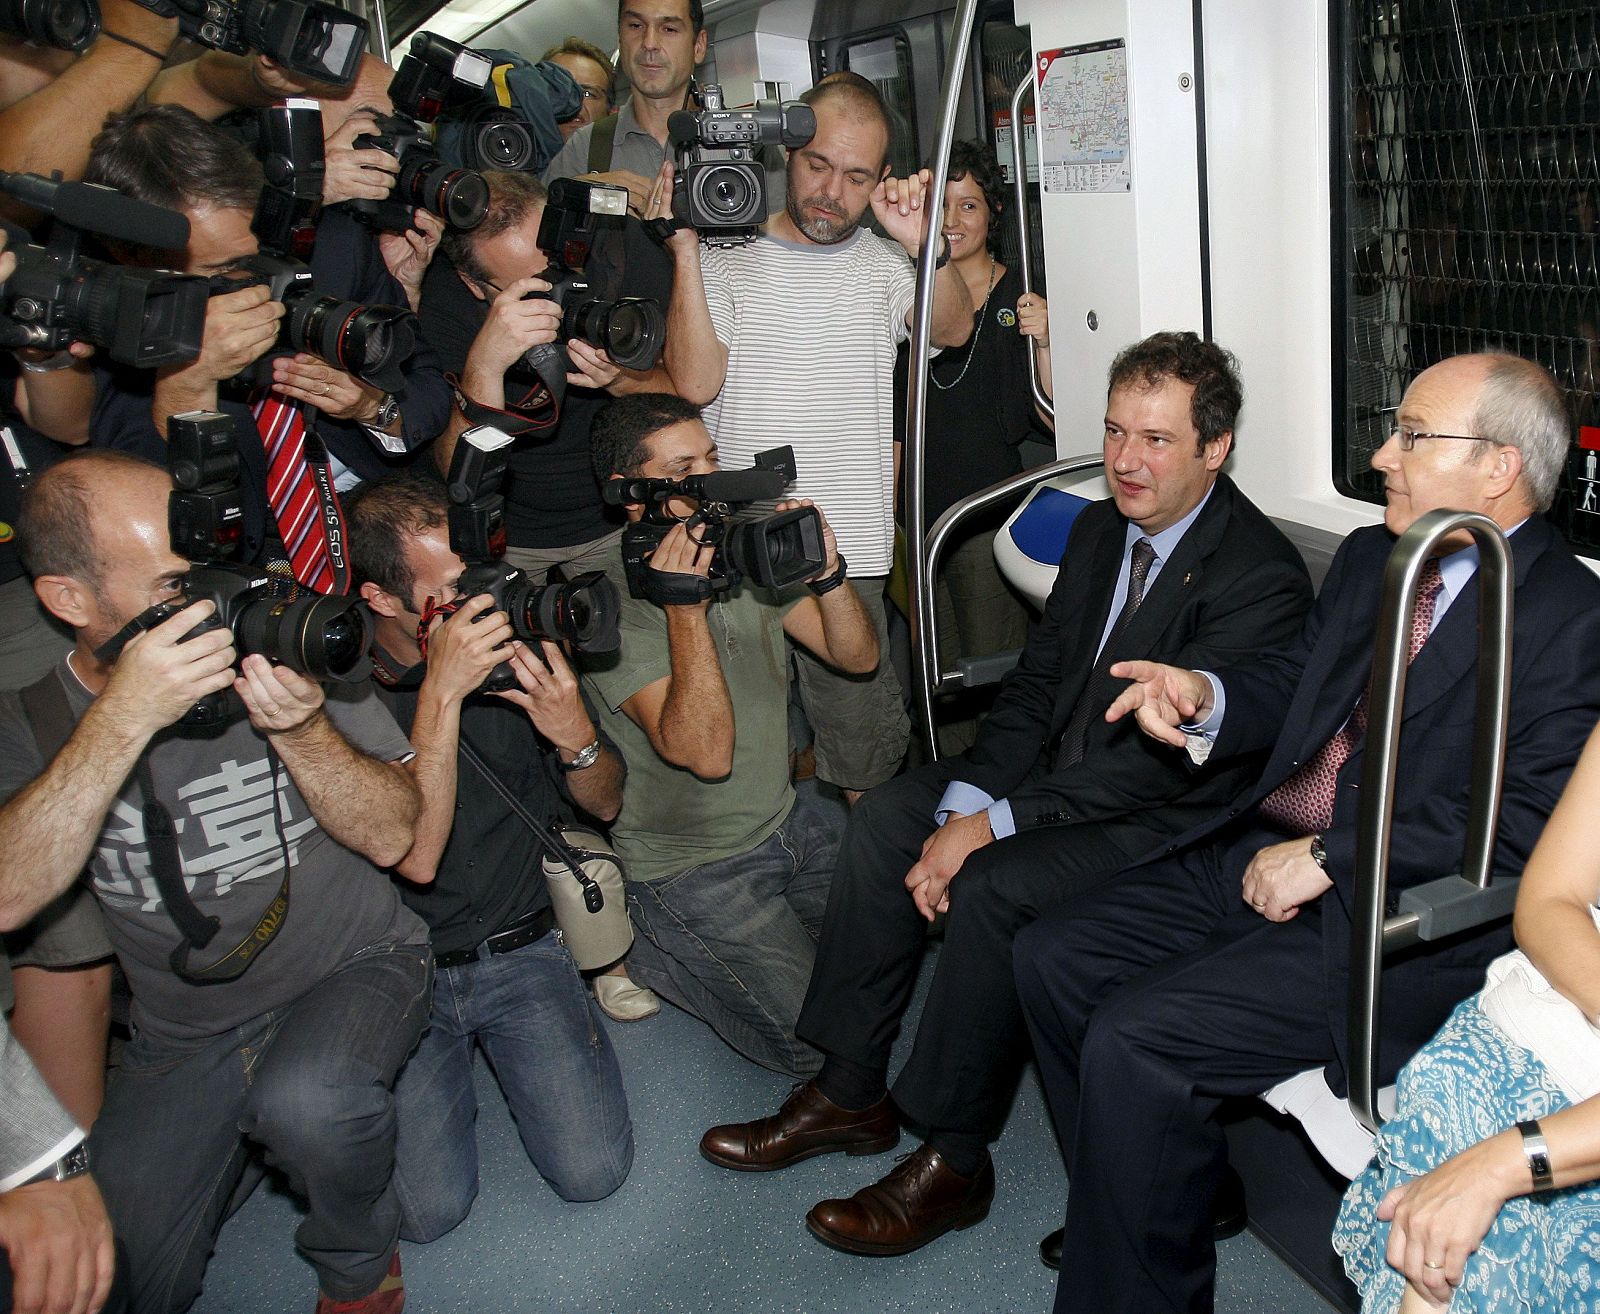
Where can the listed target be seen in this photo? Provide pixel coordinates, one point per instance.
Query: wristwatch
(587, 756)
(74, 1163)
(1319, 852)
(388, 411)
(1537, 1151)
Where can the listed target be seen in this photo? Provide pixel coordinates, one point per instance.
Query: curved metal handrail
(1371, 932)
(1019, 168)
(945, 525)
(923, 640)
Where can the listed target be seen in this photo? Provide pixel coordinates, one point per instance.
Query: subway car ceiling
(1340, 191)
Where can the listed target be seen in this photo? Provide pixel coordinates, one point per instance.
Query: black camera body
(719, 187)
(631, 330)
(458, 196)
(60, 24)
(583, 612)
(142, 317)
(326, 638)
(772, 551)
(370, 342)
(308, 37)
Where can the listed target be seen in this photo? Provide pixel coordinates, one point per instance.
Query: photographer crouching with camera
(299, 381)
(232, 816)
(505, 745)
(728, 868)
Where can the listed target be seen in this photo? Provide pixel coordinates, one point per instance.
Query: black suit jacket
(1296, 697)
(1233, 586)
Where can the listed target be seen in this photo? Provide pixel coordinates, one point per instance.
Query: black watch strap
(830, 582)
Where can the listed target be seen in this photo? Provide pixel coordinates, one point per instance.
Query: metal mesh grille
(1469, 211)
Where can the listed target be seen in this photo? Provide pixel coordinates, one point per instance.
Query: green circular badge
(6, 532)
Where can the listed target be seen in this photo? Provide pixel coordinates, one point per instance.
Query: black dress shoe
(808, 1124)
(1228, 1219)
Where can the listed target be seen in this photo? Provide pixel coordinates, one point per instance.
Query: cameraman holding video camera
(262, 1025)
(167, 156)
(504, 979)
(728, 868)
(790, 336)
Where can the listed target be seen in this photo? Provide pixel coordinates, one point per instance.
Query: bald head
(80, 515)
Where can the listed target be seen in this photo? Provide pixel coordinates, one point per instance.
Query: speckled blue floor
(682, 1235)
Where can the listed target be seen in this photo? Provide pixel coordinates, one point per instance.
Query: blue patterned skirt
(1466, 1084)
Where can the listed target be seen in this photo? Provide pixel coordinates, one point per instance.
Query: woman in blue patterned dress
(1447, 1214)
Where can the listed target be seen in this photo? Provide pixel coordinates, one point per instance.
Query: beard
(825, 231)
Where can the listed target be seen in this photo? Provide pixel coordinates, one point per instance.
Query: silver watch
(74, 1163)
(587, 757)
(388, 411)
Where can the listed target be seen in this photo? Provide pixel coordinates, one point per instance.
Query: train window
(1468, 212)
(1005, 57)
(885, 61)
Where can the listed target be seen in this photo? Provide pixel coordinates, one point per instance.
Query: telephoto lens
(495, 138)
(370, 342)
(583, 612)
(631, 330)
(61, 24)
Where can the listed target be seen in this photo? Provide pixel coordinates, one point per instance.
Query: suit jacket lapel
(1079, 640)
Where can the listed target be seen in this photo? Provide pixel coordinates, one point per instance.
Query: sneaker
(622, 1001)
(389, 1298)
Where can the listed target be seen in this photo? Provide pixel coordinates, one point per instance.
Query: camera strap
(594, 898)
(50, 718)
(330, 511)
(660, 231)
(671, 588)
(513, 419)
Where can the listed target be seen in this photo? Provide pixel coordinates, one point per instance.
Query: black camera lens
(584, 612)
(63, 24)
(458, 196)
(371, 342)
(728, 193)
(631, 330)
(777, 550)
(497, 139)
(323, 637)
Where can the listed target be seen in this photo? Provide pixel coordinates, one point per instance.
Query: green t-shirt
(671, 819)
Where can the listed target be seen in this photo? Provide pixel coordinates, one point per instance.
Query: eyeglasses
(1409, 438)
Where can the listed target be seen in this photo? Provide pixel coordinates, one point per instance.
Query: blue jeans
(310, 1086)
(733, 941)
(542, 1036)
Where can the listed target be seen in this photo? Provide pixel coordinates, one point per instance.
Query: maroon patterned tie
(1303, 804)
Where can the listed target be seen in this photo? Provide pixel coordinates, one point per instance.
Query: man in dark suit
(1049, 802)
(1223, 969)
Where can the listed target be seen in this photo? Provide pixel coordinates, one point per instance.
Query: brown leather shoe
(922, 1199)
(809, 1123)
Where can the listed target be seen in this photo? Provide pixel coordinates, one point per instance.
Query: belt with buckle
(515, 936)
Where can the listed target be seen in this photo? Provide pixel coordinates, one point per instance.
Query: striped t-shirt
(811, 333)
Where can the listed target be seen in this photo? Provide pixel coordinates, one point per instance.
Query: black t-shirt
(489, 875)
(552, 496)
(975, 426)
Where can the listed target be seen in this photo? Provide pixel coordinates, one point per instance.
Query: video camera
(435, 72)
(142, 317)
(631, 330)
(583, 612)
(370, 342)
(305, 37)
(773, 551)
(63, 24)
(326, 638)
(719, 186)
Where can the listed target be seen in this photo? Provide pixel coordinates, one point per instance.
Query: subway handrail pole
(924, 637)
(1019, 174)
(1370, 931)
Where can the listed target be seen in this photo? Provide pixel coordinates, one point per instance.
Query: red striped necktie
(292, 491)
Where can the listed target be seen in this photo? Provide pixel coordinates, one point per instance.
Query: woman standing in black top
(979, 410)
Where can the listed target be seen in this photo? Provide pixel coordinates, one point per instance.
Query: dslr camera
(631, 330)
(326, 638)
(62, 24)
(308, 37)
(142, 317)
(772, 551)
(434, 73)
(719, 186)
(583, 612)
(370, 342)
